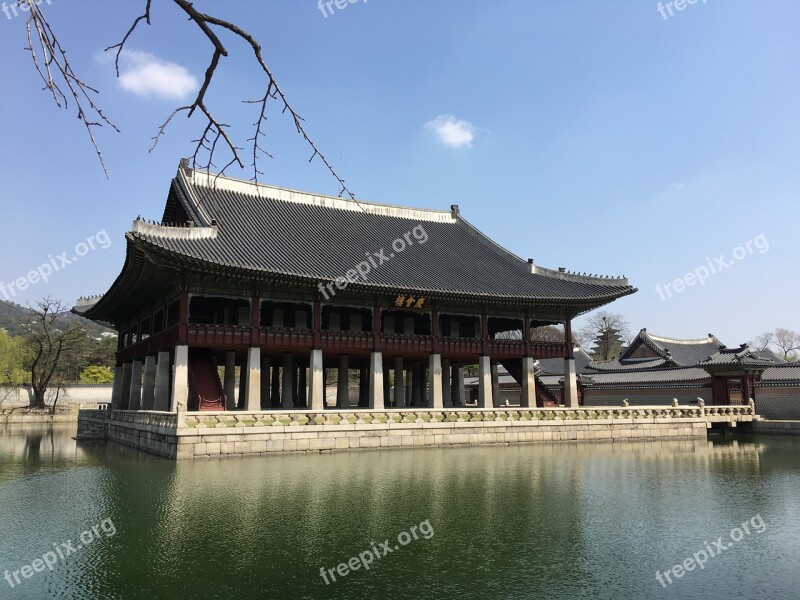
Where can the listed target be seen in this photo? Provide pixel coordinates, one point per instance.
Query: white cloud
(453, 132)
(147, 75)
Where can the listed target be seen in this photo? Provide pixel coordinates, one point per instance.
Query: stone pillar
(455, 396)
(528, 397)
(135, 402)
(265, 399)
(149, 389)
(343, 383)
(116, 392)
(409, 386)
(495, 385)
(163, 370)
(126, 386)
(570, 383)
(376, 400)
(240, 401)
(435, 397)
(484, 382)
(363, 387)
(275, 394)
(302, 382)
(387, 389)
(462, 397)
(229, 386)
(253, 398)
(447, 386)
(399, 389)
(416, 386)
(317, 381)
(287, 385)
(180, 381)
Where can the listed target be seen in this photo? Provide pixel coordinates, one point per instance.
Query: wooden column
(183, 318)
(255, 320)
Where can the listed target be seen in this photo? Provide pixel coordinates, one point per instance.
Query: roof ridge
(660, 338)
(265, 191)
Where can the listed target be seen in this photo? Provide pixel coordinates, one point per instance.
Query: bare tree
(60, 80)
(763, 341)
(788, 341)
(51, 343)
(783, 340)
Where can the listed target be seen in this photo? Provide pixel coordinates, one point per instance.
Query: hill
(13, 316)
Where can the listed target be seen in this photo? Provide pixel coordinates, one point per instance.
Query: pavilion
(288, 285)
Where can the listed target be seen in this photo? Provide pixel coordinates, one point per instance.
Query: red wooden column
(484, 333)
(183, 318)
(376, 327)
(316, 324)
(255, 321)
(526, 333)
(435, 331)
(568, 343)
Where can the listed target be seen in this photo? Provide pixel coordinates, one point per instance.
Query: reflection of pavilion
(289, 286)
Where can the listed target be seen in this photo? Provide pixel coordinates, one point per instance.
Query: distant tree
(785, 341)
(97, 374)
(606, 333)
(52, 346)
(11, 354)
(547, 333)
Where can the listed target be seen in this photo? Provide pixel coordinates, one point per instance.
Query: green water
(537, 521)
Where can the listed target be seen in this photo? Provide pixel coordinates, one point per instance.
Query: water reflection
(552, 520)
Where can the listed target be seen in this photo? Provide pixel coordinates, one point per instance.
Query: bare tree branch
(54, 66)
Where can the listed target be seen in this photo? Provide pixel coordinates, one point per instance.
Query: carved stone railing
(94, 413)
(458, 415)
(152, 419)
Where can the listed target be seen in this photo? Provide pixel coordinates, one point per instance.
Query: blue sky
(597, 136)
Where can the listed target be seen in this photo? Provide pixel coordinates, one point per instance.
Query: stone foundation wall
(203, 443)
(234, 433)
(775, 427)
(778, 402)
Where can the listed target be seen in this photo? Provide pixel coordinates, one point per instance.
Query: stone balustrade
(396, 416)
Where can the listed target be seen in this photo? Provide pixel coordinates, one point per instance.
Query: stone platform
(233, 433)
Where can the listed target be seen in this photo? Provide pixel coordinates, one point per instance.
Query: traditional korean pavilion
(287, 285)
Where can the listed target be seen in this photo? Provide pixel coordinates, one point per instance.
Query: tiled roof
(277, 231)
(788, 372)
(555, 366)
(630, 364)
(660, 376)
(735, 357)
(683, 353)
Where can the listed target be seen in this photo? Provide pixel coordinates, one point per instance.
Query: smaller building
(656, 370)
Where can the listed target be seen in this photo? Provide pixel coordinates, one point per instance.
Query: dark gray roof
(786, 372)
(660, 376)
(276, 231)
(630, 364)
(736, 357)
(555, 366)
(682, 353)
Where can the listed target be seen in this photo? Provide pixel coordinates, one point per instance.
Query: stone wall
(650, 397)
(778, 402)
(206, 443)
(89, 395)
